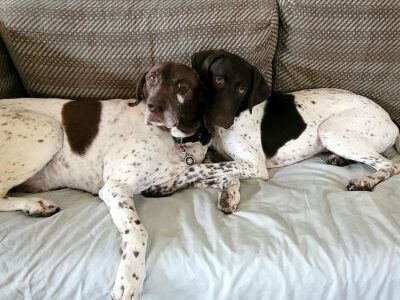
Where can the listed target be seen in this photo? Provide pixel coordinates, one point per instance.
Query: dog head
(233, 85)
(174, 96)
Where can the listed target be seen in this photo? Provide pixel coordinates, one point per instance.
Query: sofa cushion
(10, 84)
(97, 49)
(347, 44)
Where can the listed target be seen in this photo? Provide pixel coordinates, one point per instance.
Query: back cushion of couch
(10, 84)
(97, 49)
(350, 44)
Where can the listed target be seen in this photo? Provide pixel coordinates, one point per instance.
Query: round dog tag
(189, 160)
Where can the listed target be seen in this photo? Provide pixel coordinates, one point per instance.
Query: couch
(300, 235)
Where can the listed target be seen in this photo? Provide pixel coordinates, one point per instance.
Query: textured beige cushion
(97, 49)
(350, 44)
(10, 85)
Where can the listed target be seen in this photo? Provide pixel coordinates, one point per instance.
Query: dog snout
(155, 106)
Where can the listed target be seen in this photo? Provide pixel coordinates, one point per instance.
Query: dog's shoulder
(280, 123)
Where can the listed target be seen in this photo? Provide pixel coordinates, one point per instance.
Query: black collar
(201, 135)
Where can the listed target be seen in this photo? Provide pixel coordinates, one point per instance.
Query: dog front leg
(223, 176)
(131, 271)
(196, 173)
(228, 198)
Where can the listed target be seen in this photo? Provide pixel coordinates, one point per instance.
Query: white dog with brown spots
(112, 148)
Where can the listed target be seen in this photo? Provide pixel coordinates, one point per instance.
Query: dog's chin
(225, 125)
(214, 122)
(178, 133)
(155, 121)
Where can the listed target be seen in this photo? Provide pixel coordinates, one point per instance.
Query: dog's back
(50, 106)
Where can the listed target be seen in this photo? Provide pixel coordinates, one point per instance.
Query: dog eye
(152, 79)
(242, 90)
(219, 80)
(182, 88)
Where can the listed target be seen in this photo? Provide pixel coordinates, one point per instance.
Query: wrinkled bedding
(298, 236)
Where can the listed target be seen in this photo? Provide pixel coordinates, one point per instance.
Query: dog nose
(155, 107)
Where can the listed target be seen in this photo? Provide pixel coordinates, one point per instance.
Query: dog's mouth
(169, 122)
(160, 120)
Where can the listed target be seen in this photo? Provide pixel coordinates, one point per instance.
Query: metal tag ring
(189, 160)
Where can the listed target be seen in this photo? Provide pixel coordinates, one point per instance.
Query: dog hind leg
(366, 183)
(29, 141)
(33, 206)
(351, 145)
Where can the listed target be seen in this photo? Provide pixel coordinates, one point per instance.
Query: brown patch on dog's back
(81, 123)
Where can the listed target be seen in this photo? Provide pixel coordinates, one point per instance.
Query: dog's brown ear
(140, 96)
(260, 90)
(201, 61)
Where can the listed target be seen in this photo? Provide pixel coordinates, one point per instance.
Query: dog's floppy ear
(260, 90)
(205, 108)
(201, 61)
(139, 87)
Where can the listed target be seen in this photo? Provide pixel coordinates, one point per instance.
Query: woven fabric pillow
(349, 44)
(97, 49)
(10, 84)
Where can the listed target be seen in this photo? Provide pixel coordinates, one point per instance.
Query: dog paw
(124, 289)
(157, 192)
(225, 203)
(361, 184)
(37, 207)
(339, 161)
(229, 198)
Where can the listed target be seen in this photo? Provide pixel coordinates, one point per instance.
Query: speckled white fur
(344, 123)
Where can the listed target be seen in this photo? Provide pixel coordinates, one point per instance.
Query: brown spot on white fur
(81, 123)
